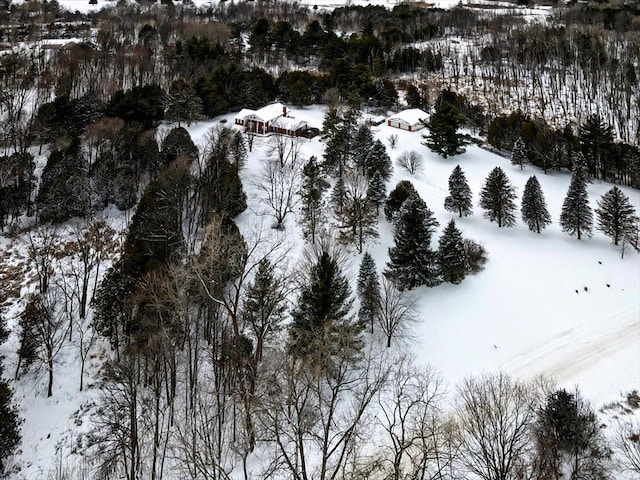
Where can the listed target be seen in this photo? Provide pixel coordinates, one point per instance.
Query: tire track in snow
(573, 351)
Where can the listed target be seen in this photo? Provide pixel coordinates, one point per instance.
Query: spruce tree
(338, 197)
(497, 198)
(361, 148)
(451, 255)
(616, 217)
(576, 218)
(596, 140)
(311, 193)
(404, 189)
(368, 290)
(412, 263)
(264, 306)
(459, 199)
(377, 191)
(534, 207)
(322, 325)
(519, 155)
(336, 153)
(443, 136)
(378, 161)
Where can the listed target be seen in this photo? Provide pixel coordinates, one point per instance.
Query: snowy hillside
(545, 304)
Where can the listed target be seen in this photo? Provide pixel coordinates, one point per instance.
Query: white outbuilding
(411, 120)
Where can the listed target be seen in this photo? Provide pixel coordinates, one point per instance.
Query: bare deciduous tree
(411, 161)
(396, 312)
(495, 415)
(314, 418)
(279, 185)
(410, 419)
(627, 445)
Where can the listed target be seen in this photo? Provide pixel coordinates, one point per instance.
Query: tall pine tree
(443, 136)
(404, 189)
(459, 199)
(377, 191)
(451, 255)
(616, 217)
(368, 290)
(322, 326)
(311, 193)
(361, 148)
(576, 218)
(519, 155)
(265, 306)
(534, 207)
(412, 263)
(378, 161)
(497, 198)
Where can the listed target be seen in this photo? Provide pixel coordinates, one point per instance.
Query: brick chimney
(284, 111)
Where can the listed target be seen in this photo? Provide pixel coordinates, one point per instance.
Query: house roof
(288, 123)
(410, 116)
(265, 114)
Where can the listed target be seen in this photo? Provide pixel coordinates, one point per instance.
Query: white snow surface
(545, 304)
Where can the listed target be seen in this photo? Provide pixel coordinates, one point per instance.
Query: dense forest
(223, 354)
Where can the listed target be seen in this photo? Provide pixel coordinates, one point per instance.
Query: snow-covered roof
(270, 112)
(288, 123)
(266, 114)
(245, 112)
(410, 116)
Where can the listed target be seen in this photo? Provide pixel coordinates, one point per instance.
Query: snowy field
(545, 304)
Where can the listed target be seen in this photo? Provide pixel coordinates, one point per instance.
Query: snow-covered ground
(545, 303)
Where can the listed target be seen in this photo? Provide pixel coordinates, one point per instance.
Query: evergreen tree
(568, 438)
(368, 290)
(596, 140)
(534, 207)
(322, 325)
(459, 199)
(338, 197)
(178, 143)
(182, 104)
(443, 136)
(378, 161)
(264, 306)
(412, 263)
(221, 190)
(64, 186)
(404, 189)
(451, 255)
(311, 194)
(616, 217)
(336, 153)
(576, 217)
(377, 191)
(361, 148)
(497, 198)
(519, 154)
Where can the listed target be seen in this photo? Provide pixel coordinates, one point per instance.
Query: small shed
(411, 119)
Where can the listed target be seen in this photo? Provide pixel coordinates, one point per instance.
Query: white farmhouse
(410, 120)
